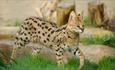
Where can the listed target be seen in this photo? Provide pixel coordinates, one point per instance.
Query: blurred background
(97, 42)
(12, 10)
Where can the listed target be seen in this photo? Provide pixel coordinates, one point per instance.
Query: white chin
(79, 31)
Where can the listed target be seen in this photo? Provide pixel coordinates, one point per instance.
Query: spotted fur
(48, 34)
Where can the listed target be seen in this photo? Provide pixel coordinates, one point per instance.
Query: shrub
(110, 41)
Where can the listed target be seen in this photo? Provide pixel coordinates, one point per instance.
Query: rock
(63, 11)
(97, 12)
(95, 53)
(96, 33)
(8, 32)
(110, 25)
(5, 52)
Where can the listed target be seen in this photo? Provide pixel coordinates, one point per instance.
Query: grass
(2, 64)
(17, 23)
(94, 40)
(14, 23)
(107, 64)
(88, 22)
(40, 63)
(110, 41)
(107, 40)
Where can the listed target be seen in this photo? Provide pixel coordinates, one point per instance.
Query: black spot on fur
(34, 28)
(69, 37)
(52, 31)
(42, 27)
(76, 50)
(30, 24)
(35, 21)
(32, 19)
(27, 22)
(58, 40)
(57, 49)
(21, 39)
(44, 41)
(58, 45)
(38, 24)
(26, 19)
(40, 37)
(29, 18)
(43, 23)
(26, 38)
(48, 35)
(50, 45)
(25, 41)
(46, 27)
(26, 28)
(28, 32)
(43, 34)
(39, 32)
(30, 28)
(47, 39)
(49, 29)
(25, 34)
(64, 27)
(17, 38)
(21, 44)
(58, 30)
(38, 18)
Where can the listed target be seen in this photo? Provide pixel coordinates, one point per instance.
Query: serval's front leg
(59, 54)
(81, 57)
(13, 55)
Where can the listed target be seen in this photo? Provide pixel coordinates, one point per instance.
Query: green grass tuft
(18, 23)
(41, 63)
(108, 63)
(88, 22)
(110, 41)
(90, 41)
(2, 65)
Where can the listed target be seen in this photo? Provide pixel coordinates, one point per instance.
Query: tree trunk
(63, 12)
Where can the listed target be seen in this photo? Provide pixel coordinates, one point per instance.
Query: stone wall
(82, 5)
(11, 10)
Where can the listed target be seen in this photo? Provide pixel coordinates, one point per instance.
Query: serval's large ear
(72, 18)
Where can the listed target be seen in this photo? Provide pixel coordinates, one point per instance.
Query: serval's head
(75, 23)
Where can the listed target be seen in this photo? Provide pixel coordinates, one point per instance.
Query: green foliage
(108, 63)
(14, 23)
(110, 41)
(88, 22)
(2, 65)
(40, 63)
(92, 40)
(17, 23)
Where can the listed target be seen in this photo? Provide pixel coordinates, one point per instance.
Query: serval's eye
(78, 14)
(82, 25)
(78, 26)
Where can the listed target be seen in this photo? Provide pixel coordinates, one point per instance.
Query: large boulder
(110, 24)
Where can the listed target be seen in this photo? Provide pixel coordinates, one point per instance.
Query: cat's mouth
(77, 31)
(80, 30)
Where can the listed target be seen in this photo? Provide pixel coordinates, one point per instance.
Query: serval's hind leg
(81, 57)
(20, 41)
